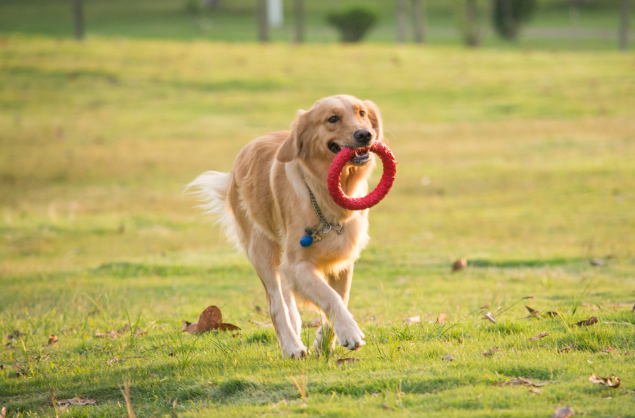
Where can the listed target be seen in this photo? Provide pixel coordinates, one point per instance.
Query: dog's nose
(363, 136)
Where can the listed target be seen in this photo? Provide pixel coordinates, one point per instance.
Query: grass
(235, 21)
(519, 161)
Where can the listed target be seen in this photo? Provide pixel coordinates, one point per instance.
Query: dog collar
(324, 227)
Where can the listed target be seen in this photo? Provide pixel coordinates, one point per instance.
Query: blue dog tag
(306, 241)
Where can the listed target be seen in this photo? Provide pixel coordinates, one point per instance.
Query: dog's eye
(333, 119)
(362, 113)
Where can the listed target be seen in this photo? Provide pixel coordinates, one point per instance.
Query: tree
(401, 21)
(299, 21)
(263, 25)
(471, 23)
(78, 19)
(352, 23)
(509, 15)
(626, 12)
(419, 15)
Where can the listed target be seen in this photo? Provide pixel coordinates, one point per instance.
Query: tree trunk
(419, 13)
(299, 21)
(471, 24)
(626, 12)
(574, 18)
(401, 21)
(78, 19)
(263, 25)
(510, 22)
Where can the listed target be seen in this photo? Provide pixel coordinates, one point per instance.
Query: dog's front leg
(311, 284)
(263, 256)
(341, 283)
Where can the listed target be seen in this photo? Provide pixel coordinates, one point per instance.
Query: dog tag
(306, 241)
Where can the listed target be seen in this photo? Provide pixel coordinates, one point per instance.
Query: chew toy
(382, 189)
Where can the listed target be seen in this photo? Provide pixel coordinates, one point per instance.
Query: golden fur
(265, 207)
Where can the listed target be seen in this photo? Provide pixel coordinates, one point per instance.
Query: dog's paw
(295, 351)
(349, 335)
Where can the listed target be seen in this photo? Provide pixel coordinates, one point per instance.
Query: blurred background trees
(529, 23)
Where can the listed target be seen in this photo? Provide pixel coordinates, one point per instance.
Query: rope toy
(382, 189)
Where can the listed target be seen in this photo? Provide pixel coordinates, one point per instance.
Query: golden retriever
(265, 206)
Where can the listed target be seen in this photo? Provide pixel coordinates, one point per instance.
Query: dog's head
(333, 123)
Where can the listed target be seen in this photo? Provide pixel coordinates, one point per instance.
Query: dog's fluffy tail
(212, 188)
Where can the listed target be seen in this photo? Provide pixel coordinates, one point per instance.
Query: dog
(266, 206)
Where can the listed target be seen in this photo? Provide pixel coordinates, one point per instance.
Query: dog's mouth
(360, 158)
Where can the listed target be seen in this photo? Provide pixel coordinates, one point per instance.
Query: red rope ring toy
(382, 189)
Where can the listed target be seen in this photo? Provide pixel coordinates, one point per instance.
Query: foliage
(353, 23)
(509, 15)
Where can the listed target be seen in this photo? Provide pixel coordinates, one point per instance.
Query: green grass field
(520, 161)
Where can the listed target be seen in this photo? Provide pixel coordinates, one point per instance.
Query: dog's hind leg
(265, 257)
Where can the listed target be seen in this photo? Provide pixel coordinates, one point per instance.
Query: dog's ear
(300, 133)
(375, 119)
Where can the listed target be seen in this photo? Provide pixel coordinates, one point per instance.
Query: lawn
(519, 161)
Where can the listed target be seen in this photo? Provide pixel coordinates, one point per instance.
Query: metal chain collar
(339, 228)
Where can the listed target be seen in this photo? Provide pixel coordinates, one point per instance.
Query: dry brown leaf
(539, 336)
(15, 335)
(534, 391)
(210, 319)
(76, 401)
(567, 348)
(227, 327)
(532, 312)
(459, 264)
(448, 357)
(441, 319)
(412, 320)
(109, 334)
(609, 349)
(489, 317)
(171, 355)
(612, 382)
(565, 412)
(490, 352)
(191, 328)
(587, 322)
(52, 339)
(349, 360)
(551, 314)
(388, 408)
(519, 381)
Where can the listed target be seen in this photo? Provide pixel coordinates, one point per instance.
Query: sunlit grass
(519, 161)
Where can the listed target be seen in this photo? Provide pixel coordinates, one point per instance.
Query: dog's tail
(213, 188)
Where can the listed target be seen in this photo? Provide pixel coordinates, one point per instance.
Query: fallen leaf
(109, 334)
(441, 318)
(612, 382)
(52, 339)
(596, 262)
(565, 412)
(535, 391)
(412, 320)
(551, 314)
(519, 381)
(172, 355)
(490, 352)
(587, 322)
(349, 360)
(388, 408)
(609, 349)
(459, 264)
(227, 327)
(532, 312)
(191, 328)
(117, 359)
(15, 335)
(210, 319)
(539, 336)
(567, 348)
(448, 357)
(76, 401)
(313, 323)
(489, 317)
